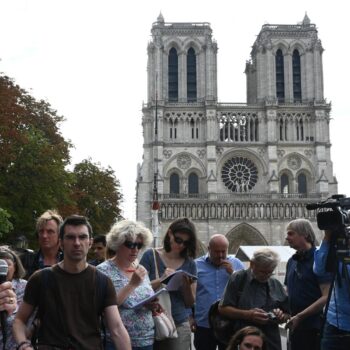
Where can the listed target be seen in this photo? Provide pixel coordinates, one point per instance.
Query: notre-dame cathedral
(241, 169)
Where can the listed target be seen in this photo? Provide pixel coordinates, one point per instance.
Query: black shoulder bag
(223, 327)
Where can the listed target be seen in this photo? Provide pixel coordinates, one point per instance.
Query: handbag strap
(155, 263)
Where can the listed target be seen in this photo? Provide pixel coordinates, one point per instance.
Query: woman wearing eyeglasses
(131, 281)
(248, 338)
(177, 253)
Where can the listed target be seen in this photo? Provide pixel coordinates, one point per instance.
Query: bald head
(217, 248)
(218, 239)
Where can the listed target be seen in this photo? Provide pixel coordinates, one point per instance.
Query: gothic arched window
(193, 183)
(302, 184)
(296, 76)
(279, 75)
(284, 184)
(173, 83)
(191, 76)
(174, 183)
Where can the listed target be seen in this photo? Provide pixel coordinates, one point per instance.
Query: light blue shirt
(211, 284)
(339, 306)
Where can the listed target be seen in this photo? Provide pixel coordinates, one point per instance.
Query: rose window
(239, 174)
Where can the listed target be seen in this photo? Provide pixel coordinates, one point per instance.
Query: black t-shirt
(69, 306)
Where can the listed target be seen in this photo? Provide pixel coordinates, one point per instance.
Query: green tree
(97, 194)
(5, 224)
(33, 158)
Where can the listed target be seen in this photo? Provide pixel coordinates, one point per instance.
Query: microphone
(314, 206)
(3, 275)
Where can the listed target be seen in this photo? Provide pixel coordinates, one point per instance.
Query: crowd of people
(57, 298)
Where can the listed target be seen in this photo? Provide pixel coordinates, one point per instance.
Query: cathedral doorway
(244, 234)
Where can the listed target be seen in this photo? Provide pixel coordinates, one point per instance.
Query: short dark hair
(100, 239)
(184, 225)
(239, 336)
(75, 220)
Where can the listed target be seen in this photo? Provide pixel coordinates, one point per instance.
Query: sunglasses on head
(179, 240)
(133, 245)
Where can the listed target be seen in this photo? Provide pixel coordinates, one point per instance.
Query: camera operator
(336, 333)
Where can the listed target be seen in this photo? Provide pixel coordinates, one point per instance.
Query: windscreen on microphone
(312, 206)
(3, 270)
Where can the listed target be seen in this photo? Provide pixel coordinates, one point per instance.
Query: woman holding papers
(131, 281)
(177, 253)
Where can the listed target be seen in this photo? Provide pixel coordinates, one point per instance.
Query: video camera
(334, 216)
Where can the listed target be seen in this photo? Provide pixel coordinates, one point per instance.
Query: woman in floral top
(131, 282)
(14, 274)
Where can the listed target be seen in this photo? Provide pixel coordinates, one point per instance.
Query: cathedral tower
(241, 169)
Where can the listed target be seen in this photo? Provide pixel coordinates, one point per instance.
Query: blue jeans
(334, 338)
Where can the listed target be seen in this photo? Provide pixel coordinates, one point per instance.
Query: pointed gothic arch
(173, 42)
(296, 68)
(192, 42)
(279, 67)
(297, 45)
(244, 234)
(173, 71)
(191, 62)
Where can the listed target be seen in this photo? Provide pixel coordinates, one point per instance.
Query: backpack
(223, 327)
(49, 281)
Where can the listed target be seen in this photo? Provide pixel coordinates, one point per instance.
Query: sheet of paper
(148, 299)
(174, 281)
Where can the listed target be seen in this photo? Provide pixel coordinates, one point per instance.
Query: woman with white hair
(131, 281)
(254, 298)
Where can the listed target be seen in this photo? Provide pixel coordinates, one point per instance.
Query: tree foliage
(33, 158)
(97, 194)
(5, 224)
(33, 169)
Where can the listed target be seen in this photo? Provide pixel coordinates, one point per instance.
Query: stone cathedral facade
(241, 169)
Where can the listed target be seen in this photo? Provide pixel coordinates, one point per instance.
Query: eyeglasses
(265, 272)
(72, 238)
(179, 240)
(133, 245)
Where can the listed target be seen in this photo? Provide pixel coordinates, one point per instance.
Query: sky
(88, 59)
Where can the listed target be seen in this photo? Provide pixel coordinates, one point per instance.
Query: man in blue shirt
(213, 271)
(307, 292)
(336, 334)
